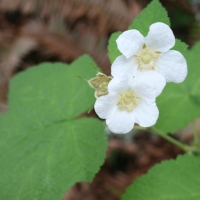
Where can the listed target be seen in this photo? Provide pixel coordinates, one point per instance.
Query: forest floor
(126, 160)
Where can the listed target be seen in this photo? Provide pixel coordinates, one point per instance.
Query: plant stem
(165, 136)
(140, 128)
(172, 140)
(196, 136)
(184, 147)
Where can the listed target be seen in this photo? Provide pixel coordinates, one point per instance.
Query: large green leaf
(44, 147)
(170, 180)
(179, 104)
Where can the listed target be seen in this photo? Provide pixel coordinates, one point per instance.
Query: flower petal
(160, 37)
(122, 66)
(118, 84)
(104, 105)
(146, 115)
(172, 65)
(148, 85)
(129, 42)
(120, 122)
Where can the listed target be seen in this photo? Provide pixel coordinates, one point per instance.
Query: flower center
(147, 58)
(127, 101)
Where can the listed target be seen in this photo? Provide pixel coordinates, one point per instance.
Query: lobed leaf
(44, 147)
(169, 180)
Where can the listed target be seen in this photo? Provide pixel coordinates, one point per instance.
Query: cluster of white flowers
(139, 76)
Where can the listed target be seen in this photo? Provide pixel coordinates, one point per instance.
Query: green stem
(140, 128)
(196, 136)
(167, 137)
(170, 139)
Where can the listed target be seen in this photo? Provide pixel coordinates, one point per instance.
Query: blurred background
(34, 31)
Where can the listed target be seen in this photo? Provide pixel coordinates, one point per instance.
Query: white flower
(130, 100)
(151, 53)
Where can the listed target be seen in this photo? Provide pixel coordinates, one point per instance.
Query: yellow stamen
(127, 101)
(147, 58)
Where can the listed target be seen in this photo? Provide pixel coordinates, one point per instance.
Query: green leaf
(180, 46)
(170, 180)
(176, 107)
(179, 104)
(44, 147)
(142, 23)
(113, 51)
(154, 12)
(192, 83)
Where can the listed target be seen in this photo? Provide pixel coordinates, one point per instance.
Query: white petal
(146, 115)
(118, 84)
(160, 37)
(122, 66)
(172, 65)
(104, 105)
(120, 122)
(129, 42)
(148, 85)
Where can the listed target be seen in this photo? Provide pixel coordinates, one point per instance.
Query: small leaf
(153, 13)
(142, 23)
(180, 46)
(170, 180)
(44, 147)
(113, 51)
